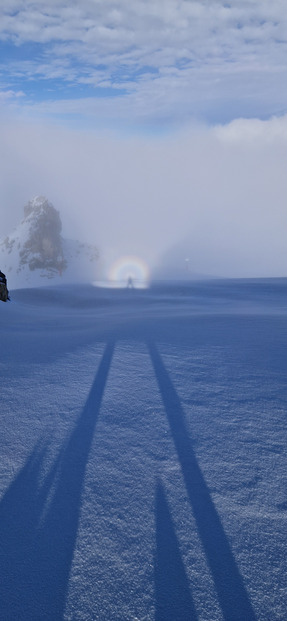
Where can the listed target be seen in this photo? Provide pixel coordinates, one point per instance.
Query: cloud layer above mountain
(146, 61)
(156, 127)
(218, 193)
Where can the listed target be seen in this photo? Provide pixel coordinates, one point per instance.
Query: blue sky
(146, 61)
(154, 126)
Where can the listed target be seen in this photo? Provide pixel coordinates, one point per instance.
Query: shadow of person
(39, 523)
(172, 592)
(232, 595)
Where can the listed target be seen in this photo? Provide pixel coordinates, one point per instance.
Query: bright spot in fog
(129, 267)
(128, 271)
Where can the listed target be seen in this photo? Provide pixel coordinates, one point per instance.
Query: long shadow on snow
(231, 592)
(173, 597)
(38, 535)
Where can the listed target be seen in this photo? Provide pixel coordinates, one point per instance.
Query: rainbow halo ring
(129, 271)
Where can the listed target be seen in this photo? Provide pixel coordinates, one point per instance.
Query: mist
(215, 195)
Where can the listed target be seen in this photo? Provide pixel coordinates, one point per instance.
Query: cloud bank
(218, 194)
(156, 127)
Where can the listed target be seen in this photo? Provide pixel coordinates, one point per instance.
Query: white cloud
(168, 62)
(219, 193)
(10, 95)
(254, 133)
(208, 59)
(104, 25)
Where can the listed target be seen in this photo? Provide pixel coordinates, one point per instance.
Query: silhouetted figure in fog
(130, 284)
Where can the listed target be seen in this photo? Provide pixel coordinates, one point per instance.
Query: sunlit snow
(143, 453)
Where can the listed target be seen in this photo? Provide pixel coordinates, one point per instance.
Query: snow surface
(143, 453)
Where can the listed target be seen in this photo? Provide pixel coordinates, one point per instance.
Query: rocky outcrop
(36, 249)
(43, 248)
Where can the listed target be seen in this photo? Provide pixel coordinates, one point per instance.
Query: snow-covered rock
(36, 253)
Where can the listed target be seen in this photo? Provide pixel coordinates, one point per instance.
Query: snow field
(143, 467)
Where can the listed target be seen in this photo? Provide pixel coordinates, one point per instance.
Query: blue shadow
(232, 595)
(173, 597)
(39, 523)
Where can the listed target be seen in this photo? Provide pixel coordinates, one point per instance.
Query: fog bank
(214, 194)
